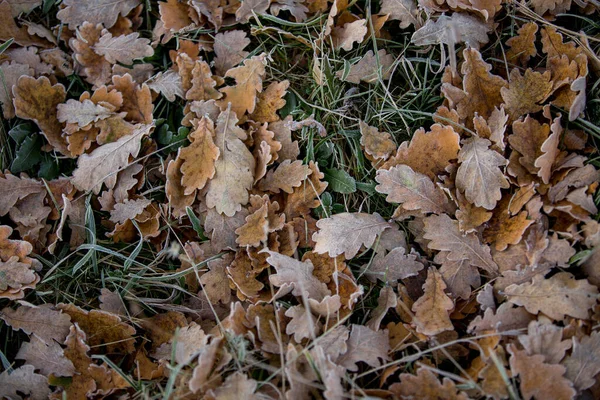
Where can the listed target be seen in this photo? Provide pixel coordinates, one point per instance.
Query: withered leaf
(128, 210)
(479, 175)
(346, 233)
(26, 381)
(102, 165)
(425, 385)
(48, 357)
(556, 296)
(168, 84)
(526, 94)
(393, 266)
(199, 157)
(549, 151)
(82, 113)
(36, 100)
(522, 46)
(428, 153)
(412, 190)
(298, 274)
(450, 30)
(123, 49)
(229, 50)
(444, 234)
(583, 363)
(539, 380)
(345, 36)
(43, 321)
(248, 78)
(378, 145)
(237, 385)
(234, 169)
(545, 338)
(432, 309)
(286, 177)
(11, 72)
(365, 345)
(405, 11)
(105, 12)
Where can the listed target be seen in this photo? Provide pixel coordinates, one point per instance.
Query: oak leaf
(287, 176)
(583, 364)
(248, 78)
(428, 153)
(168, 84)
(26, 381)
(378, 145)
(444, 235)
(48, 357)
(479, 175)
(122, 49)
(95, 68)
(306, 196)
(14, 189)
(298, 274)
(527, 138)
(432, 309)
(82, 113)
(250, 8)
(522, 46)
(102, 328)
(393, 266)
(539, 380)
(367, 68)
(222, 228)
(346, 233)
(234, 169)
(345, 36)
(198, 165)
(10, 30)
(505, 228)
(405, 11)
(106, 12)
(526, 94)
(129, 209)
(480, 92)
(36, 100)
(425, 385)
(137, 99)
(43, 321)
(365, 345)
(450, 30)
(505, 318)
(269, 102)
(101, 166)
(545, 338)
(556, 296)
(237, 385)
(11, 72)
(549, 151)
(412, 190)
(175, 15)
(387, 299)
(229, 50)
(215, 282)
(202, 83)
(303, 324)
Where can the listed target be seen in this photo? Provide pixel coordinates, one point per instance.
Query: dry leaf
(352, 32)
(198, 165)
(545, 338)
(248, 78)
(393, 266)
(234, 169)
(168, 84)
(367, 68)
(556, 296)
(297, 274)
(432, 309)
(346, 233)
(405, 11)
(479, 175)
(286, 177)
(82, 113)
(583, 363)
(526, 94)
(36, 100)
(122, 49)
(378, 145)
(48, 357)
(522, 46)
(43, 321)
(425, 385)
(229, 50)
(11, 72)
(412, 190)
(106, 12)
(428, 153)
(365, 345)
(26, 381)
(101, 166)
(539, 380)
(443, 233)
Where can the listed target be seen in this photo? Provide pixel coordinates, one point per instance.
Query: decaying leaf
(432, 309)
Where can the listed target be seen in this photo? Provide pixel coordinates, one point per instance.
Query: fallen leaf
(526, 94)
(229, 50)
(412, 190)
(425, 385)
(122, 49)
(432, 309)
(556, 296)
(48, 357)
(81, 113)
(479, 175)
(168, 84)
(248, 78)
(539, 380)
(582, 365)
(11, 72)
(26, 381)
(198, 165)
(101, 166)
(393, 266)
(545, 338)
(346, 233)
(43, 321)
(378, 145)
(365, 345)
(352, 32)
(522, 46)
(368, 68)
(405, 11)
(105, 12)
(234, 169)
(298, 274)
(36, 100)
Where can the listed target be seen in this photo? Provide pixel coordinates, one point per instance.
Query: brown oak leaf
(198, 159)
(248, 78)
(433, 308)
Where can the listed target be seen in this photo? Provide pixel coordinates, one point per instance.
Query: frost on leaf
(346, 233)
(432, 309)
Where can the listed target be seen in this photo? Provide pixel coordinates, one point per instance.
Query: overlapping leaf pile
(481, 298)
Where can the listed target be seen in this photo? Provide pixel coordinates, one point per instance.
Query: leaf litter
(220, 255)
